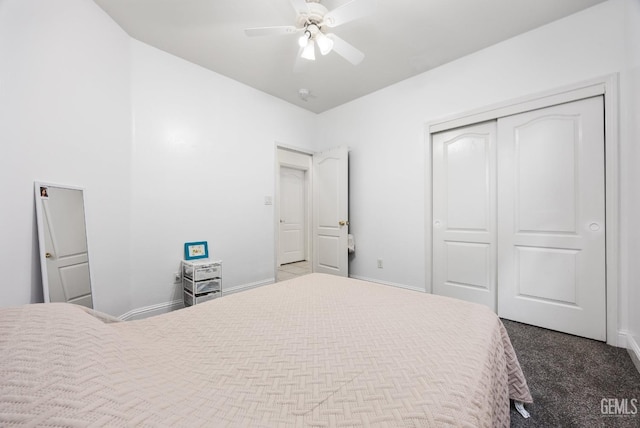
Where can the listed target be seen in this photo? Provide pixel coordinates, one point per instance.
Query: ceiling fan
(312, 20)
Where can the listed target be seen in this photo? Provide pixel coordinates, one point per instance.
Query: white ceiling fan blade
(300, 6)
(346, 50)
(270, 31)
(348, 12)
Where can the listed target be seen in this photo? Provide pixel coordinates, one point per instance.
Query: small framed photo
(196, 250)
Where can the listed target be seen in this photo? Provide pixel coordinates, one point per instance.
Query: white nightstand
(201, 280)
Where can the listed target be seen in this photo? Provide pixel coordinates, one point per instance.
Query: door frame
(276, 201)
(607, 86)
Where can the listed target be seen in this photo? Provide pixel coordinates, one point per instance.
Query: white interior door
(330, 211)
(66, 246)
(551, 218)
(292, 215)
(464, 177)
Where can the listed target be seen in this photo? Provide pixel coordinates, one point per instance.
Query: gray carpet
(569, 376)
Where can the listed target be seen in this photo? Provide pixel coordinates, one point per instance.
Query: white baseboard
(622, 339)
(248, 286)
(148, 311)
(392, 284)
(163, 308)
(634, 350)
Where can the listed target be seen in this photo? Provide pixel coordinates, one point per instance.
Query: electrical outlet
(379, 263)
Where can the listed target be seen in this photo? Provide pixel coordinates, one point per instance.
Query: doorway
(293, 229)
(311, 228)
(293, 213)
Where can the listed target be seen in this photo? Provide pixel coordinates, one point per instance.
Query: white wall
(167, 151)
(203, 162)
(64, 118)
(386, 131)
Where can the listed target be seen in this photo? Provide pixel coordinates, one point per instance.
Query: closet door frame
(607, 86)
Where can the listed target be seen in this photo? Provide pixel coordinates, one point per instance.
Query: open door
(330, 212)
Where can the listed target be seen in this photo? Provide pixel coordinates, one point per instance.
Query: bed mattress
(317, 350)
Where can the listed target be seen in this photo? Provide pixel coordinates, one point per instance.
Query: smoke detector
(304, 94)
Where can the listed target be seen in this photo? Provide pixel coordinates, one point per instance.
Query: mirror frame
(41, 237)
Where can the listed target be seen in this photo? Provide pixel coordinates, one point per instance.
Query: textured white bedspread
(313, 351)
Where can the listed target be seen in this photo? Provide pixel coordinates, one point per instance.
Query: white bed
(318, 350)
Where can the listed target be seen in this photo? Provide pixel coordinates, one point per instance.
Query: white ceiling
(400, 39)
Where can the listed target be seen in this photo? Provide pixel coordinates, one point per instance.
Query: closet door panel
(464, 214)
(546, 151)
(551, 218)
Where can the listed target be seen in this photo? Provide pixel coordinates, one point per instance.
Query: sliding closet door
(551, 218)
(464, 253)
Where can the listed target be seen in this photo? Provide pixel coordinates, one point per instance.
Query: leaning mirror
(62, 235)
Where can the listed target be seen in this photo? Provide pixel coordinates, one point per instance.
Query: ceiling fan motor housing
(315, 15)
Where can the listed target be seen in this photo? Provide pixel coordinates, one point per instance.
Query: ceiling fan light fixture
(325, 44)
(303, 41)
(309, 51)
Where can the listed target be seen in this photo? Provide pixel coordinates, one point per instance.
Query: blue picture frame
(196, 250)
